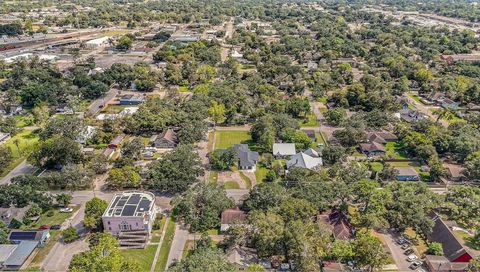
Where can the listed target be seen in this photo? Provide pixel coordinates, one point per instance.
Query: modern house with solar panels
(130, 216)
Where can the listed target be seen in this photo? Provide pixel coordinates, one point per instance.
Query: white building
(92, 44)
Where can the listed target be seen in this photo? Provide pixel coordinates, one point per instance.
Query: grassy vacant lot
(309, 121)
(261, 173)
(144, 257)
(26, 140)
(56, 219)
(165, 247)
(227, 138)
(114, 109)
(394, 150)
(231, 185)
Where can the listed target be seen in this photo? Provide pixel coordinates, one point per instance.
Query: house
(455, 172)
(381, 137)
(108, 153)
(130, 216)
(311, 134)
(312, 153)
(282, 150)
(242, 257)
(131, 99)
(247, 160)
(407, 173)
(450, 104)
(303, 160)
(441, 264)
(167, 139)
(437, 97)
(38, 236)
(232, 216)
(411, 116)
(116, 141)
(85, 135)
(453, 249)
(460, 57)
(373, 149)
(333, 267)
(8, 214)
(13, 256)
(338, 223)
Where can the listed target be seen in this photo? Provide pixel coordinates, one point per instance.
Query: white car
(66, 210)
(412, 257)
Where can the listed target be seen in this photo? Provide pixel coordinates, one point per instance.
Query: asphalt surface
(22, 169)
(397, 253)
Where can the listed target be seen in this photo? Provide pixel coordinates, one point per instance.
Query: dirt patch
(226, 176)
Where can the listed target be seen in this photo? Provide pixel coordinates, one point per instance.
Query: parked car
(405, 246)
(412, 257)
(415, 265)
(421, 269)
(55, 227)
(401, 241)
(66, 210)
(408, 251)
(44, 227)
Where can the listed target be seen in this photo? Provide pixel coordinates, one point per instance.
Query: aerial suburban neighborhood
(255, 135)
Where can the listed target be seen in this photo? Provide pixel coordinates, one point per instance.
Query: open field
(227, 138)
(26, 140)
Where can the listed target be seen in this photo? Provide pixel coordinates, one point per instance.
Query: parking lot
(398, 253)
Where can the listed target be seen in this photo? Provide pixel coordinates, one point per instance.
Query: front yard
(394, 151)
(309, 121)
(144, 257)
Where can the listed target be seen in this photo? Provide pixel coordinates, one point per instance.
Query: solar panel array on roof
(134, 199)
(129, 210)
(134, 204)
(23, 235)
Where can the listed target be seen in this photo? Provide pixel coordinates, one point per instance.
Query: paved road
(397, 253)
(22, 169)
(424, 109)
(178, 244)
(94, 108)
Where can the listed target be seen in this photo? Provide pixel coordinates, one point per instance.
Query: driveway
(178, 244)
(61, 255)
(396, 252)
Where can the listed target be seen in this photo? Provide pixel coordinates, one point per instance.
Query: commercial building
(130, 216)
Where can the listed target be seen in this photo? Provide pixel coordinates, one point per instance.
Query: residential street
(424, 109)
(22, 169)
(178, 243)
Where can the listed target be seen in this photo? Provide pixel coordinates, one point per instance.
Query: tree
(335, 117)
(124, 43)
(217, 112)
(332, 154)
(56, 152)
(268, 233)
(204, 259)
(201, 206)
(98, 164)
(175, 171)
(70, 234)
(104, 255)
(68, 126)
(435, 248)
(473, 166)
(63, 199)
(133, 149)
(265, 196)
(94, 209)
(474, 265)
(6, 156)
(125, 177)
(369, 251)
(222, 160)
(463, 204)
(296, 209)
(4, 233)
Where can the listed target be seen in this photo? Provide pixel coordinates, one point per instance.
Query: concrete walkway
(178, 244)
(157, 253)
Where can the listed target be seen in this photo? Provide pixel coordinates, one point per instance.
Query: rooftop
(130, 204)
(406, 171)
(284, 149)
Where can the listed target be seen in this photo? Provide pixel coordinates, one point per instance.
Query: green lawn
(165, 247)
(144, 257)
(56, 219)
(376, 166)
(310, 121)
(417, 98)
(27, 139)
(394, 150)
(188, 247)
(227, 138)
(43, 252)
(183, 89)
(156, 234)
(261, 173)
(231, 185)
(418, 242)
(213, 177)
(246, 179)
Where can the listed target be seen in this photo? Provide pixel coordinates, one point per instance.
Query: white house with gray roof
(281, 150)
(303, 160)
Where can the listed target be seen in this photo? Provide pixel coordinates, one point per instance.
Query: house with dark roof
(411, 116)
(38, 236)
(407, 173)
(232, 216)
(450, 104)
(242, 257)
(453, 249)
(131, 99)
(167, 139)
(381, 136)
(373, 149)
(338, 223)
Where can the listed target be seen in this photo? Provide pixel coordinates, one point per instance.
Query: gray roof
(130, 204)
(6, 251)
(406, 171)
(311, 152)
(303, 160)
(246, 157)
(284, 149)
(21, 253)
